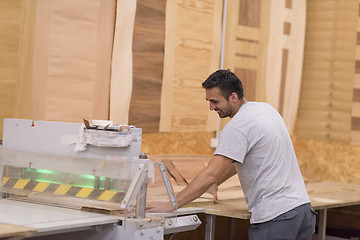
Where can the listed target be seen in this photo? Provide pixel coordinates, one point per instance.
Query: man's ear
(234, 97)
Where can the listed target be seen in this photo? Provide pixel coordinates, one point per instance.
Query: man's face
(218, 103)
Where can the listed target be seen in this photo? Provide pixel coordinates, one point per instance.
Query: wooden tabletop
(323, 195)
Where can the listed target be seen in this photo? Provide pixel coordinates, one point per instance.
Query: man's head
(225, 92)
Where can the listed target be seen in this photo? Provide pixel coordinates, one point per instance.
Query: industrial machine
(83, 181)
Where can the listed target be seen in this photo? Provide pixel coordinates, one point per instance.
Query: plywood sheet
(10, 12)
(245, 50)
(23, 101)
(148, 56)
(72, 56)
(264, 51)
(121, 66)
(329, 71)
(355, 114)
(9, 230)
(284, 59)
(192, 52)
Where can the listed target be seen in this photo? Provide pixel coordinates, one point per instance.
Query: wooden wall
(328, 75)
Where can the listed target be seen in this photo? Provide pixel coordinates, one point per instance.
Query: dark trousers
(296, 224)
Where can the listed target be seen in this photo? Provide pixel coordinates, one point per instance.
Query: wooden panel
(23, 101)
(72, 57)
(356, 96)
(9, 231)
(9, 47)
(189, 59)
(249, 14)
(122, 64)
(148, 55)
(329, 71)
(285, 56)
(355, 114)
(248, 79)
(355, 123)
(287, 28)
(288, 4)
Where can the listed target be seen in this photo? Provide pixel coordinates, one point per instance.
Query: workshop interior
(102, 110)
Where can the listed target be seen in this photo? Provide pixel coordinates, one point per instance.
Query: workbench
(323, 195)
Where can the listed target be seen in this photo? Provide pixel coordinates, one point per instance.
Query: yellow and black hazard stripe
(11, 184)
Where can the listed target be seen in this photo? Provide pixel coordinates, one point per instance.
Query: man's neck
(241, 103)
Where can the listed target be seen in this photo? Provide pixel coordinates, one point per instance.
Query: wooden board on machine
(108, 210)
(10, 230)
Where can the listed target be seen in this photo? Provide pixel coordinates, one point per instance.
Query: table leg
(210, 227)
(322, 224)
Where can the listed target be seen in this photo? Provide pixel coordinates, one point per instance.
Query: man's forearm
(196, 188)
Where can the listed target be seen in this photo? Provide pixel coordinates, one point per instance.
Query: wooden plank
(321, 64)
(10, 230)
(72, 56)
(9, 47)
(285, 58)
(148, 57)
(23, 102)
(104, 210)
(188, 61)
(121, 67)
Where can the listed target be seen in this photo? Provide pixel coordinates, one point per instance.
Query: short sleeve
(232, 144)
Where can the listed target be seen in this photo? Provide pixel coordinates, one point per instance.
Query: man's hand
(160, 207)
(213, 191)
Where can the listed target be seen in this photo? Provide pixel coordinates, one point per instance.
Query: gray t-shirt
(257, 139)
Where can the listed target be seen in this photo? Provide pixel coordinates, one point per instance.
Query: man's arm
(231, 171)
(216, 171)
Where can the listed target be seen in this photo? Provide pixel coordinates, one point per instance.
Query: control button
(170, 222)
(195, 218)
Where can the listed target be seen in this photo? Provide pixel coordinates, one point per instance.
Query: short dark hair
(227, 81)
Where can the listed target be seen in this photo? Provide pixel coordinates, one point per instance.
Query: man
(257, 143)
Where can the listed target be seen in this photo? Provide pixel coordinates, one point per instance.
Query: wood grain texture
(356, 95)
(14, 231)
(329, 71)
(72, 56)
(148, 57)
(355, 113)
(191, 54)
(122, 64)
(285, 57)
(249, 14)
(259, 48)
(10, 12)
(23, 102)
(355, 123)
(288, 4)
(284, 68)
(248, 79)
(287, 28)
